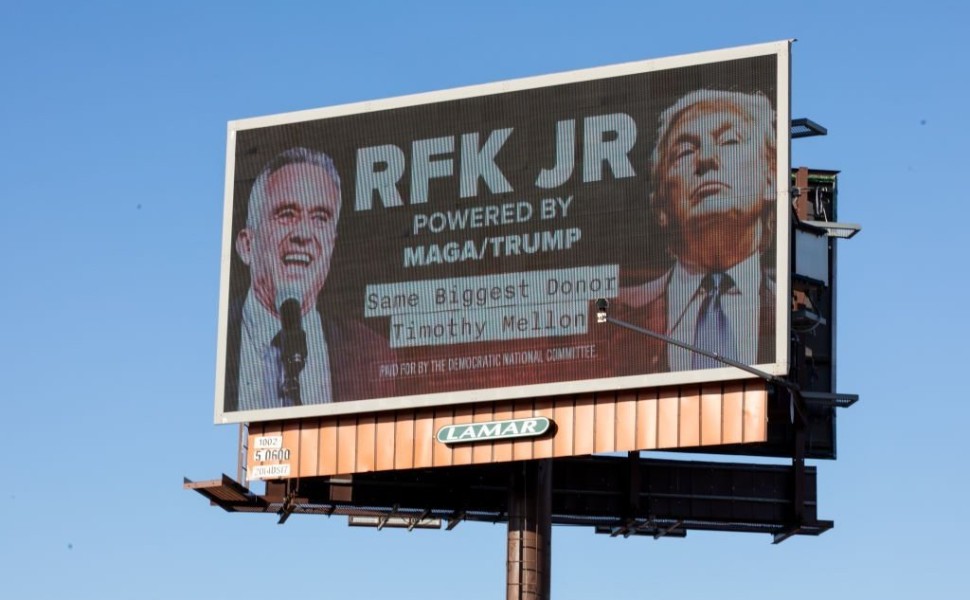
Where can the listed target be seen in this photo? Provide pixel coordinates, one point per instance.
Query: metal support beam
(530, 531)
(596, 492)
(455, 518)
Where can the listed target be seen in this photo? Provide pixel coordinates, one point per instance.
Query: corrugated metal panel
(650, 419)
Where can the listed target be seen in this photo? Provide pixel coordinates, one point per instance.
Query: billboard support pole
(530, 531)
(800, 423)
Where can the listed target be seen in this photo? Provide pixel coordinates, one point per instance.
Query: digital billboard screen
(449, 247)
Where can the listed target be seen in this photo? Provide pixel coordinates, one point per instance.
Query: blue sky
(112, 156)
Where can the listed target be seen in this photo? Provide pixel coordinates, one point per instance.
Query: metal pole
(530, 531)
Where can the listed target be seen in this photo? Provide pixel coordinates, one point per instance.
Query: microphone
(291, 314)
(293, 347)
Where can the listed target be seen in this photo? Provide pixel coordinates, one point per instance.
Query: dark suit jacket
(645, 306)
(353, 348)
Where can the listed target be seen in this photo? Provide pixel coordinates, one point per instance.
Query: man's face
(714, 173)
(290, 245)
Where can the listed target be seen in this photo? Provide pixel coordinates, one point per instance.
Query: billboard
(449, 247)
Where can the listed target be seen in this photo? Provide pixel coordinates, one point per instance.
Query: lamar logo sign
(493, 430)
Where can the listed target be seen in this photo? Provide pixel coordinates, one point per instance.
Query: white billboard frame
(782, 229)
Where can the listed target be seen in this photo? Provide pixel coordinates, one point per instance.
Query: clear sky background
(112, 159)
